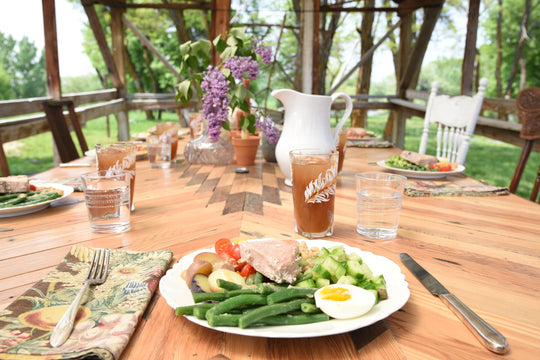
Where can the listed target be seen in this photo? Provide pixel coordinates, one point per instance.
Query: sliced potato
(225, 275)
(198, 267)
(212, 258)
(200, 284)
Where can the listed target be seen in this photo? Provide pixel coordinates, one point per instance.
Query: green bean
(39, 198)
(269, 310)
(309, 308)
(224, 320)
(7, 197)
(280, 320)
(10, 203)
(201, 297)
(238, 302)
(302, 278)
(233, 293)
(289, 293)
(189, 309)
(228, 285)
(200, 312)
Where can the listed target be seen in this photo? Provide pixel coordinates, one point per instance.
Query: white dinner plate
(421, 174)
(176, 293)
(28, 209)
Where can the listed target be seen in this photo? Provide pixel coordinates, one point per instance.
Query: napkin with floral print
(457, 185)
(106, 318)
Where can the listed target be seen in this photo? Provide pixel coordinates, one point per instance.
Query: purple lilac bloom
(215, 101)
(239, 64)
(268, 128)
(264, 51)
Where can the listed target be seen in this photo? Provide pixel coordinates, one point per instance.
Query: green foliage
(511, 21)
(22, 69)
(77, 84)
(446, 71)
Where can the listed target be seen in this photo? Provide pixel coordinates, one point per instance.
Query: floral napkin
(452, 186)
(369, 143)
(106, 318)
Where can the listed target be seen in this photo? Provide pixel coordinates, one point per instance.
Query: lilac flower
(215, 101)
(240, 64)
(268, 127)
(264, 51)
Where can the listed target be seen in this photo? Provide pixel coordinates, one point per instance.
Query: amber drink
(313, 186)
(341, 148)
(169, 132)
(117, 157)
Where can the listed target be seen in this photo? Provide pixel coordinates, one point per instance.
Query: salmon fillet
(275, 259)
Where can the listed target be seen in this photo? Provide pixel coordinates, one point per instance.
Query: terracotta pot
(245, 149)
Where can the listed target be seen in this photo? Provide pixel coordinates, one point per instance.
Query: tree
(22, 70)
(520, 49)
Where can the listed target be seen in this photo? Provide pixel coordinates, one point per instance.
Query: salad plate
(176, 292)
(28, 209)
(421, 174)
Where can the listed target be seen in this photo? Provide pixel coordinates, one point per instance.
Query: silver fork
(97, 273)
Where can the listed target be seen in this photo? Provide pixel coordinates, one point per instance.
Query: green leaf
(193, 63)
(205, 46)
(185, 48)
(226, 125)
(220, 45)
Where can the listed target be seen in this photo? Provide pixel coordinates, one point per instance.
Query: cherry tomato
(235, 252)
(32, 187)
(223, 247)
(247, 270)
(445, 167)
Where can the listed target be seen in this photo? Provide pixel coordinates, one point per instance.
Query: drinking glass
(379, 196)
(313, 186)
(169, 131)
(107, 195)
(159, 152)
(117, 157)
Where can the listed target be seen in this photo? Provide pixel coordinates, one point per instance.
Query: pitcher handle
(348, 111)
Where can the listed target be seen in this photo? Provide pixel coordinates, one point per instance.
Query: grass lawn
(487, 159)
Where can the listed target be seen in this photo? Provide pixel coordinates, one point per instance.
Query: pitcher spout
(284, 95)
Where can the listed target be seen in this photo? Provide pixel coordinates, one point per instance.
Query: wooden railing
(26, 118)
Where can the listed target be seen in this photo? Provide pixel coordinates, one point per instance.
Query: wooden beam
(469, 57)
(93, 20)
(149, 45)
(196, 5)
(54, 88)
(307, 36)
(221, 16)
(316, 37)
(414, 63)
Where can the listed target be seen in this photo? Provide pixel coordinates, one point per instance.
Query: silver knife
(485, 333)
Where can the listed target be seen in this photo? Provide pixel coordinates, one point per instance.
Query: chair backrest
(54, 109)
(456, 118)
(528, 105)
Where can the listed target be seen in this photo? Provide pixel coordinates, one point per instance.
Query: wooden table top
(486, 250)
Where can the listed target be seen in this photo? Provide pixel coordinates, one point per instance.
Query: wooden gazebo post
(220, 19)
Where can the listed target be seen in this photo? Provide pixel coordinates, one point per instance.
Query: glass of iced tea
(314, 174)
(341, 148)
(169, 131)
(117, 157)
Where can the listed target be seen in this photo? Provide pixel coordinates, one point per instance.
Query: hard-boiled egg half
(343, 301)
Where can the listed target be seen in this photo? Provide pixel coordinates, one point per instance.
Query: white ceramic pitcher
(307, 124)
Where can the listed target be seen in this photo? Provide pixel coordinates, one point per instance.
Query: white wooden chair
(456, 119)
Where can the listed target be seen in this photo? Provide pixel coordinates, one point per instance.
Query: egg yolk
(335, 294)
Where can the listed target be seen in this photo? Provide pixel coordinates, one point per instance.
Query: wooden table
(486, 250)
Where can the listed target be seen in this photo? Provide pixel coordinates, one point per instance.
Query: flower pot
(245, 149)
(268, 150)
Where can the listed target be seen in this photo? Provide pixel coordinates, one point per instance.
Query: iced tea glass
(341, 148)
(116, 157)
(169, 131)
(314, 174)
